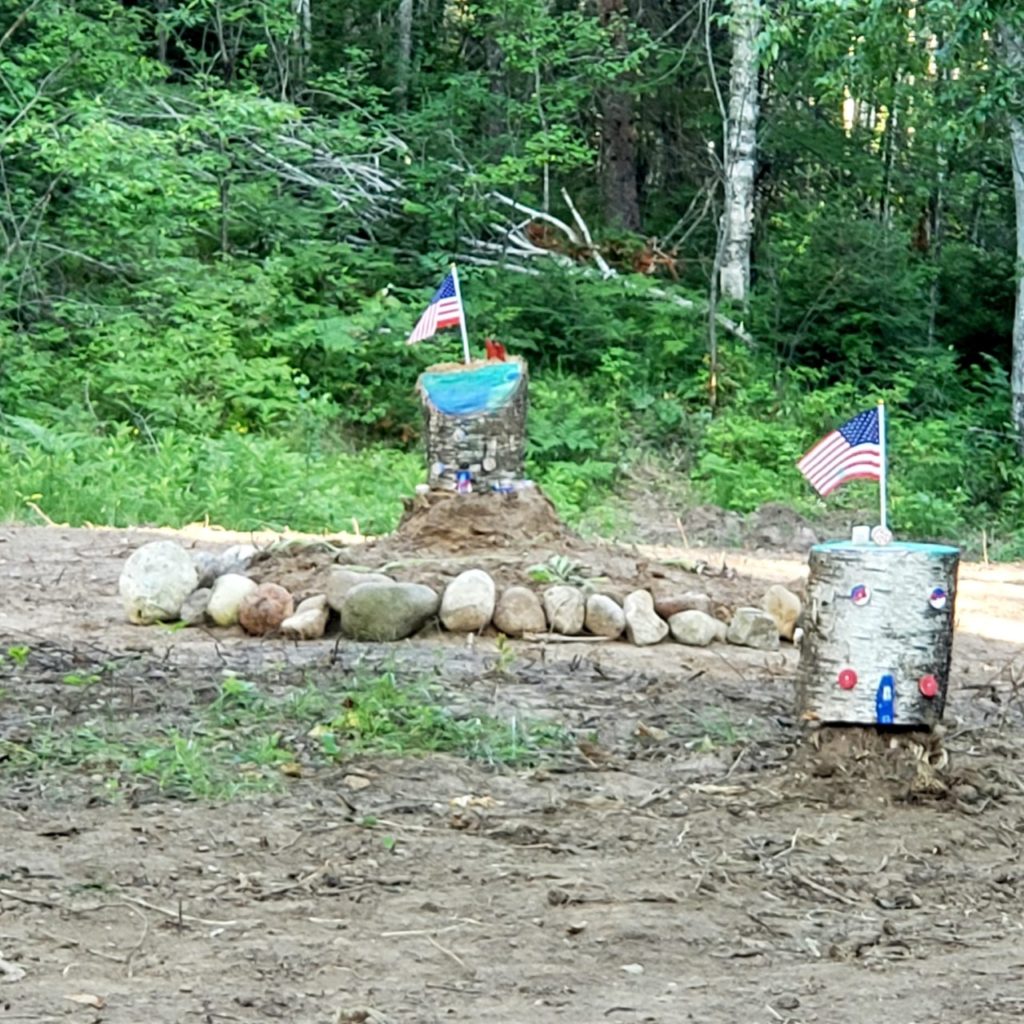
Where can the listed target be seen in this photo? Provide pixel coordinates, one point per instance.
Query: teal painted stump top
(901, 546)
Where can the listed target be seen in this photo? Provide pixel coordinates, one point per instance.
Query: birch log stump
(475, 419)
(878, 633)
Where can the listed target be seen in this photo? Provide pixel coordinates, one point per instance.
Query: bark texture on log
(878, 633)
(490, 442)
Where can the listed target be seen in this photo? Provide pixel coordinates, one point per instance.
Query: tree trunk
(741, 150)
(403, 63)
(1017, 363)
(1013, 54)
(618, 133)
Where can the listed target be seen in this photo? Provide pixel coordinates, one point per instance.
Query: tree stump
(878, 633)
(475, 422)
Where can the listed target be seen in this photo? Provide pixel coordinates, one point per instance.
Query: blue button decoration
(860, 595)
(884, 700)
(937, 598)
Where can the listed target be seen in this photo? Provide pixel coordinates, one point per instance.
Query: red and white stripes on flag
(851, 452)
(445, 310)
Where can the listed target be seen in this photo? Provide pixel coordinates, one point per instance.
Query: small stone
(752, 627)
(341, 580)
(309, 621)
(193, 608)
(519, 611)
(155, 581)
(355, 782)
(468, 602)
(604, 616)
(643, 626)
(226, 598)
(263, 610)
(387, 611)
(696, 628)
(633, 968)
(669, 604)
(211, 564)
(565, 609)
(784, 607)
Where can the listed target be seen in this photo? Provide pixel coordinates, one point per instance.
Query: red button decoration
(847, 679)
(929, 686)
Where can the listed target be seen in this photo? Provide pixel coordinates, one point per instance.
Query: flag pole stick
(885, 464)
(462, 313)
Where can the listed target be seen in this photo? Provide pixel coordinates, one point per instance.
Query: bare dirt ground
(699, 856)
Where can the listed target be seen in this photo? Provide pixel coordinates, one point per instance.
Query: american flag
(445, 310)
(850, 452)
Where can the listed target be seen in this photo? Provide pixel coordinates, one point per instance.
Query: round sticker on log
(937, 598)
(881, 535)
(847, 679)
(929, 686)
(860, 595)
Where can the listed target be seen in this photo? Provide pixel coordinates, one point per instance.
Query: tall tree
(740, 158)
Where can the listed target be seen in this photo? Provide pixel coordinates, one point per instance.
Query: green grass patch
(247, 740)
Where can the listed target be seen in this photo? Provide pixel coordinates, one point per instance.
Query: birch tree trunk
(740, 150)
(1013, 54)
(1017, 360)
(404, 55)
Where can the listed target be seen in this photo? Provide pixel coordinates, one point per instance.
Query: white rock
(643, 626)
(696, 628)
(155, 581)
(468, 602)
(519, 611)
(565, 608)
(226, 598)
(341, 580)
(604, 616)
(752, 627)
(309, 621)
(784, 607)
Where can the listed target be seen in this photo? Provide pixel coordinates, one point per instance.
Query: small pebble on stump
(878, 633)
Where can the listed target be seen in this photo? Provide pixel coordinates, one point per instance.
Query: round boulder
(155, 581)
(264, 609)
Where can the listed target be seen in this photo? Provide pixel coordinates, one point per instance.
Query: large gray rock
(519, 611)
(155, 581)
(784, 607)
(226, 598)
(643, 626)
(669, 603)
(751, 627)
(468, 602)
(309, 621)
(604, 616)
(385, 611)
(340, 581)
(696, 628)
(565, 608)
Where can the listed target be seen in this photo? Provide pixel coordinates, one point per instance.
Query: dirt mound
(462, 523)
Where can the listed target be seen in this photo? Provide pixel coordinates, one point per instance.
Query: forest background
(715, 230)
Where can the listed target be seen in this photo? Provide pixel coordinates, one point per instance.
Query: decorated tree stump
(878, 633)
(475, 424)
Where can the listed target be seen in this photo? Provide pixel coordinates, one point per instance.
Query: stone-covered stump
(475, 420)
(878, 633)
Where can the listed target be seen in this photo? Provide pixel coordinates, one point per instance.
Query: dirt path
(696, 858)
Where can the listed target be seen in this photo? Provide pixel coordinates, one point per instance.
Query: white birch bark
(1013, 54)
(404, 55)
(1017, 359)
(740, 150)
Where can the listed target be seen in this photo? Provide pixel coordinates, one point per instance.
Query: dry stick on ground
(515, 245)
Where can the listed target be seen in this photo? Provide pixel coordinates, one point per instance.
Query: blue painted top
(929, 550)
(469, 392)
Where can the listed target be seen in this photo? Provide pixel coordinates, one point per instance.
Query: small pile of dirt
(462, 523)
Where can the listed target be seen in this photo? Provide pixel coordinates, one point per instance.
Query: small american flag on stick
(445, 310)
(853, 451)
